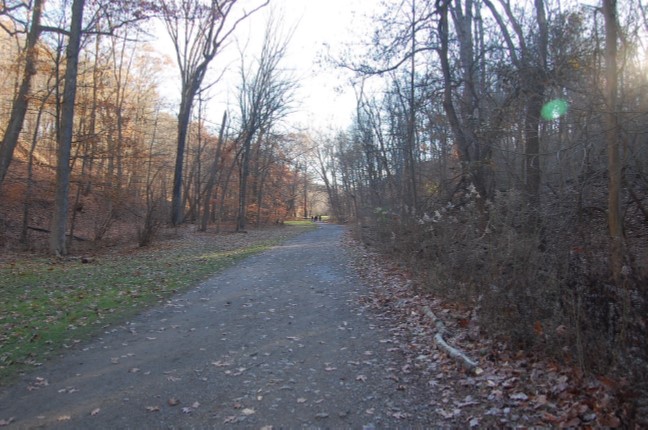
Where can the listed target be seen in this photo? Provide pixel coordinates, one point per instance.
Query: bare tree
(533, 73)
(465, 114)
(198, 31)
(57, 240)
(612, 135)
(265, 94)
(211, 176)
(21, 102)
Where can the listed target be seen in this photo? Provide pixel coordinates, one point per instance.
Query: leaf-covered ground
(315, 333)
(509, 388)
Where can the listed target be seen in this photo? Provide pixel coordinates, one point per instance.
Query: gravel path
(277, 341)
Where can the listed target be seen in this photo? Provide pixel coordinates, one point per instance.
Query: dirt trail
(277, 341)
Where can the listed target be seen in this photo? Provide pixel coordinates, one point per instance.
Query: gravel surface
(277, 341)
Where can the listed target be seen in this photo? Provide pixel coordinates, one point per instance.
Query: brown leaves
(509, 389)
(37, 384)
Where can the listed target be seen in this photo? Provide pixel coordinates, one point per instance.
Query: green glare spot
(554, 109)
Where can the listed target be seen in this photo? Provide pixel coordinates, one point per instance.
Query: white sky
(324, 99)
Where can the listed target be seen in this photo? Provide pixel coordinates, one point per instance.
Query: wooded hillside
(116, 174)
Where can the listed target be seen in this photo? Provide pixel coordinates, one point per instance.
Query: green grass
(47, 306)
(303, 223)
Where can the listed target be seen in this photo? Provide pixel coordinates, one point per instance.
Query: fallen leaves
(519, 397)
(37, 384)
(508, 389)
(4, 423)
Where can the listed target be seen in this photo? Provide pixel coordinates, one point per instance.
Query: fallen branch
(453, 352)
(44, 230)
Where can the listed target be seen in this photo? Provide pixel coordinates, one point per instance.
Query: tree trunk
(474, 159)
(59, 217)
(536, 87)
(211, 181)
(241, 219)
(183, 126)
(615, 220)
(411, 197)
(30, 170)
(19, 107)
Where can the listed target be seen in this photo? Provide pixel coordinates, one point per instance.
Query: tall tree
(530, 57)
(265, 95)
(612, 135)
(57, 240)
(21, 102)
(198, 31)
(465, 113)
(211, 176)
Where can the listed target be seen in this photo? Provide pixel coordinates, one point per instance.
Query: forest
(504, 162)
(498, 150)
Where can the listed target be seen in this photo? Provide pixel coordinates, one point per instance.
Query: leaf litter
(508, 388)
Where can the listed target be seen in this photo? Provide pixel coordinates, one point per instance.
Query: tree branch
(453, 352)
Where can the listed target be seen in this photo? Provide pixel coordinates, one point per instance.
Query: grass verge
(47, 306)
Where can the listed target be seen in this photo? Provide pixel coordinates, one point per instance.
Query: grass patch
(47, 306)
(301, 223)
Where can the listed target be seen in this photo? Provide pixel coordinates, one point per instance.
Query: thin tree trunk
(183, 126)
(241, 220)
(19, 107)
(615, 220)
(59, 217)
(30, 170)
(209, 188)
(224, 190)
(411, 122)
(533, 115)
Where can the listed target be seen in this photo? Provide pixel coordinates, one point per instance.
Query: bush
(536, 277)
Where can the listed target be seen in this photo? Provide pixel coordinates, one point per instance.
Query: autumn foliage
(124, 142)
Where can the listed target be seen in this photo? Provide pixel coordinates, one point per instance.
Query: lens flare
(554, 109)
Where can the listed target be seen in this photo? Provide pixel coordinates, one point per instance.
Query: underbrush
(536, 278)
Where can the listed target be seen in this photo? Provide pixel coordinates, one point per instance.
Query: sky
(324, 98)
(324, 26)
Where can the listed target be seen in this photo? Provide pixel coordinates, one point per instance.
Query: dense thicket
(505, 159)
